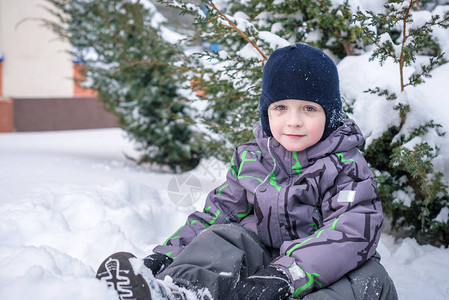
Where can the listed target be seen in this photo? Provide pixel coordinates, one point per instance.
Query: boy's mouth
(294, 136)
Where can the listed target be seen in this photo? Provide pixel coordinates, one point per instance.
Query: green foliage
(133, 70)
(412, 190)
(417, 162)
(333, 25)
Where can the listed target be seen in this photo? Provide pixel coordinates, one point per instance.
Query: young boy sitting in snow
(299, 214)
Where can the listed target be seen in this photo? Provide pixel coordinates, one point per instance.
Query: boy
(299, 214)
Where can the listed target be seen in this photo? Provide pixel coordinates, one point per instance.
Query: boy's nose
(295, 120)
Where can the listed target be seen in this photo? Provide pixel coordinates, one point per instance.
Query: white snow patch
(443, 216)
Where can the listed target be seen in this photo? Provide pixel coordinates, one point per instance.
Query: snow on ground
(69, 199)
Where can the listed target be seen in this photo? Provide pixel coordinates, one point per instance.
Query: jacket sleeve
(353, 221)
(226, 203)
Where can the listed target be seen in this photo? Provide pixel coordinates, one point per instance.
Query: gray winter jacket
(320, 206)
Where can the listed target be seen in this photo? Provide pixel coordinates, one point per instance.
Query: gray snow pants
(224, 254)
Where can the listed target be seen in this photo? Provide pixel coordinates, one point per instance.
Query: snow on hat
(301, 72)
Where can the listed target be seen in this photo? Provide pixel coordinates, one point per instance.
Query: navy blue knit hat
(301, 72)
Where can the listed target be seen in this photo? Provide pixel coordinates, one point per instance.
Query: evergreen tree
(247, 32)
(412, 189)
(136, 73)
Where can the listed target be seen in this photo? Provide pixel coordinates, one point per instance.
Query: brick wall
(1, 75)
(6, 115)
(79, 78)
(61, 114)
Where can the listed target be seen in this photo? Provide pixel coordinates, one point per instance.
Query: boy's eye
(309, 108)
(280, 107)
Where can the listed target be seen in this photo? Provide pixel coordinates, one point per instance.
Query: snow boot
(118, 273)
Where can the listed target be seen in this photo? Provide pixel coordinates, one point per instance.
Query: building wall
(1, 76)
(6, 115)
(79, 77)
(42, 114)
(35, 60)
(40, 85)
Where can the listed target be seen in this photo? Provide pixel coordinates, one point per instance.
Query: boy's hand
(269, 283)
(157, 262)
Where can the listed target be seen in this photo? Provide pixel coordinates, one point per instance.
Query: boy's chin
(294, 148)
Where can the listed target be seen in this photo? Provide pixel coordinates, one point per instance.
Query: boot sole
(118, 273)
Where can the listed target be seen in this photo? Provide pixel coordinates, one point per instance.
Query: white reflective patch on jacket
(346, 196)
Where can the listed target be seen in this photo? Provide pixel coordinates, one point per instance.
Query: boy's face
(296, 124)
